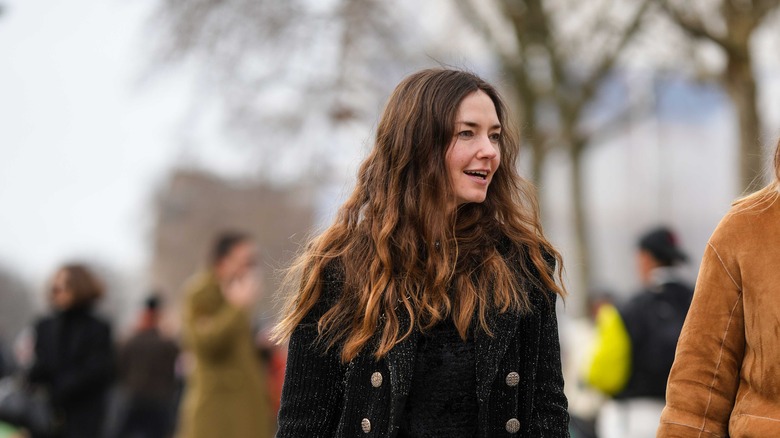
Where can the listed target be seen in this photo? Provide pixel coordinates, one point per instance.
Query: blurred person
(23, 348)
(273, 359)
(725, 379)
(8, 431)
(578, 333)
(636, 341)
(147, 364)
(428, 307)
(225, 394)
(74, 353)
(7, 367)
(7, 364)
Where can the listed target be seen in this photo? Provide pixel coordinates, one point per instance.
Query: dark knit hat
(663, 245)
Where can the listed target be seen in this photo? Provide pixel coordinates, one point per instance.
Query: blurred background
(131, 132)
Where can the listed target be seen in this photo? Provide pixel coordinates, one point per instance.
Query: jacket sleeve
(705, 376)
(211, 327)
(551, 417)
(312, 392)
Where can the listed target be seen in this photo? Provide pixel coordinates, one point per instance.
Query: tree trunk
(579, 218)
(525, 114)
(537, 163)
(741, 86)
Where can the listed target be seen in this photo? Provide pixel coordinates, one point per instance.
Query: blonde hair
(769, 193)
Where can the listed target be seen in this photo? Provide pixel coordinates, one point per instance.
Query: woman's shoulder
(750, 220)
(333, 271)
(95, 320)
(518, 257)
(80, 317)
(202, 282)
(332, 278)
(519, 253)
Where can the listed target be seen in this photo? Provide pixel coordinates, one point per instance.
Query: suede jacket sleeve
(705, 376)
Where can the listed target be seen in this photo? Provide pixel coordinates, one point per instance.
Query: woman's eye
(466, 134)
(495, 137)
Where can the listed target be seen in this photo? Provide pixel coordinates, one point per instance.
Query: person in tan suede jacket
(725, 381)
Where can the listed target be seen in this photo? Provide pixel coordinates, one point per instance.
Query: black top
(75, 363)
(324, 397)
(442, 400)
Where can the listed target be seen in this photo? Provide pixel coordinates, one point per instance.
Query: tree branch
(480, 24)
(763, 9)
(591, 84)
(692, 25)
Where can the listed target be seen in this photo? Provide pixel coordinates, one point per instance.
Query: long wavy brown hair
(403, 252)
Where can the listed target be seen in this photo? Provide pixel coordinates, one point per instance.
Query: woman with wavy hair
(428, 307)
(725, 379)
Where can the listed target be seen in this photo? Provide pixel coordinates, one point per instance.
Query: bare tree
(560, 55)
(730, 25)
(284, 70)
(557, 54)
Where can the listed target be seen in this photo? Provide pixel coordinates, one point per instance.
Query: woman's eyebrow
(476, 125)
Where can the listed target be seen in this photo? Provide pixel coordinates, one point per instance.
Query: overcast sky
(85, 136)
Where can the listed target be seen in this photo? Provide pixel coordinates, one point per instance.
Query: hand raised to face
(244, 290)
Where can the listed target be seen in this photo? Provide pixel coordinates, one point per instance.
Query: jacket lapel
(400, 363)
(491, 349)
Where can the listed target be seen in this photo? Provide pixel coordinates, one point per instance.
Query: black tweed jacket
(519, 381)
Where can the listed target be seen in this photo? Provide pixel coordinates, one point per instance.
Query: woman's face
(61, 296)
(241, 259)
(474, 155)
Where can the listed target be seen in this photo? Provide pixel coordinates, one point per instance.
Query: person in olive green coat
(226, 395)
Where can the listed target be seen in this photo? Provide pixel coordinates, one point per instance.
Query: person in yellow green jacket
(636, 341)
(225, 395)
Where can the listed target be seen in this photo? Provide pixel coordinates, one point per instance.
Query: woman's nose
(487, 148)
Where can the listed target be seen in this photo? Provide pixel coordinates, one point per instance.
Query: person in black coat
(428, 308)
(654, 317)
(637, 340)
(74, 353)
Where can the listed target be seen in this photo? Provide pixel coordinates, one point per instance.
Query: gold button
(376, 379)
(512, 379)
(366, 425)
(513, 425)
